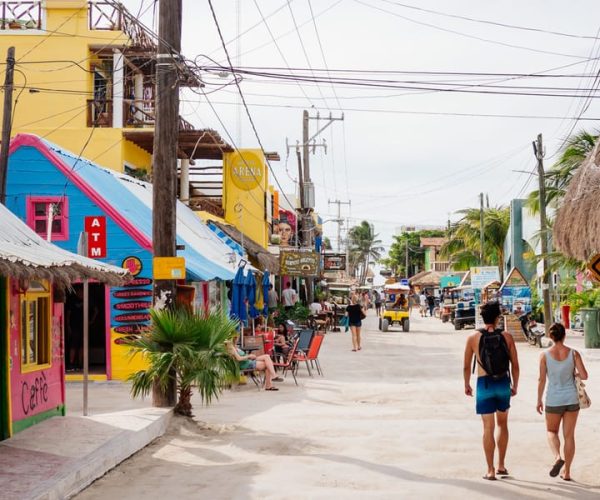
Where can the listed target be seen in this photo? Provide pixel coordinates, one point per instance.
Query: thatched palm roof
(23, 254)
(577, 227)
(426, 278)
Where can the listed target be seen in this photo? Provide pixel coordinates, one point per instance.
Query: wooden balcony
(20, 15)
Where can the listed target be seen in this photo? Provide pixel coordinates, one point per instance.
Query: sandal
(277, 379)
(556, 467)
(271, 389)
(502, 472)
(489, 478)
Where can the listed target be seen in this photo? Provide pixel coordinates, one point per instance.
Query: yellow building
(84, 79)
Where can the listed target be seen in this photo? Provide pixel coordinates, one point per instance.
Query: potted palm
(188, 348)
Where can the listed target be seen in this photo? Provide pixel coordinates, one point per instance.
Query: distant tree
(364, 248)
(327, 243)
(463, 246)
(396, 258)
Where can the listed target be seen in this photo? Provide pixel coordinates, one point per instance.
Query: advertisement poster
(334, 262)
(284, 229)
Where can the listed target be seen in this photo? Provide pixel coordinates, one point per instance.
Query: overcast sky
(401, 168)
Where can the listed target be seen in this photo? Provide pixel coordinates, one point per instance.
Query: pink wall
(38, 391)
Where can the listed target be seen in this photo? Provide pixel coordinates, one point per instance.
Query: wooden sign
(299, 263)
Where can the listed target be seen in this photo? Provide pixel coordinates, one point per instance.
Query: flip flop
(566, 478)
(353, 350)
(556, 467)
(271, 389)
(489, 478)
(277, 379)
(502, 472)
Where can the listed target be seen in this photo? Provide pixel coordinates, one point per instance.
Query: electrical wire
(245, 104)
(492, 23)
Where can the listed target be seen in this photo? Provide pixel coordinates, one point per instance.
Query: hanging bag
(584, 399)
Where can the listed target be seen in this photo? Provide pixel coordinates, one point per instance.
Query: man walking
(272, 299)
(497, 380)
(430, 303)
(289, 296)
(423, 304)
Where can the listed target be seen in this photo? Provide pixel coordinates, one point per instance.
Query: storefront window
(35, 327)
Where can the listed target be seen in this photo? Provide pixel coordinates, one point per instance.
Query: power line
(237, 83)
(492, 23)
(473, 37)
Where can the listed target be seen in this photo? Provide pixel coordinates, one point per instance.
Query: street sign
(404, 281)
(594, 266)
(481, 276)
(95, 227)
(168, 268)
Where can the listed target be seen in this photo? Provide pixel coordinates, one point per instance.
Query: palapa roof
(576, 230)
(24, 254)
(433, 241)
(426, 278)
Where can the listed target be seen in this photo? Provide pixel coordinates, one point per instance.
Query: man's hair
(288, 284)
(490, 311)
(270, 286)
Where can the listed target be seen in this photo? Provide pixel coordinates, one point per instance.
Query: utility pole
(481, 228)
(538, 149)
(164, 165)
(339, 220)
(6, 121)
(406, 257)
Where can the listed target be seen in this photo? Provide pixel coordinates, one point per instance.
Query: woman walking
(355, 313)
(558, 365)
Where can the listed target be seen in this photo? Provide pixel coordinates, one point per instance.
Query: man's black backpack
(494, 357)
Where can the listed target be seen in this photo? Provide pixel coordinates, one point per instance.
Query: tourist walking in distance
(289, 296)
(272, 299)
(423, 304)
(356, 314)
(430, 303)
(494, 353)
(558, 366)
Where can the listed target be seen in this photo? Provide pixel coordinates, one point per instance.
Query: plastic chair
(313, 354)
(289, 363)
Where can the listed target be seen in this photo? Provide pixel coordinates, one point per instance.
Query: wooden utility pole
(481, 231)
(6, 121)
(164, 165)
(538, 149)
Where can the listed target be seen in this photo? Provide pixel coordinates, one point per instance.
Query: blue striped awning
(230, 242)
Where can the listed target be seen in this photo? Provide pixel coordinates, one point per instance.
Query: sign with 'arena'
(95, 227)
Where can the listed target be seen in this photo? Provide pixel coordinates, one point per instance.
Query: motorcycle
(532, 331)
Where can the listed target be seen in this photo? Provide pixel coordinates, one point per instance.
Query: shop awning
(265, 260)
(24, 254)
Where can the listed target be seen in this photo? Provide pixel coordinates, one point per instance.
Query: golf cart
(464, 312)
(394, 309)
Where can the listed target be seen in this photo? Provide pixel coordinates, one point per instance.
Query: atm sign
(95, 227)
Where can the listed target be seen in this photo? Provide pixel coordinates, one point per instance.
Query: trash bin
(591, 324)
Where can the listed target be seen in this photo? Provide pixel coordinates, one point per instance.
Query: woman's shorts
(357, 324)
(559, 410)
(249, 364)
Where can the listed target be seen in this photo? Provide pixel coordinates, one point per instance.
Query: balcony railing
(137, 113)
(20, 15)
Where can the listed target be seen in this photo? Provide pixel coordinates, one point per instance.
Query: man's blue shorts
(492, 395)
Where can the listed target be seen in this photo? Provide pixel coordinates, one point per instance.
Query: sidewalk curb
(80, 473)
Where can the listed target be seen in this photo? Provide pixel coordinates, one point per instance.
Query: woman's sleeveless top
(561, 389)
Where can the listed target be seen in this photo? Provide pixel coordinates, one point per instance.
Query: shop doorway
(74, 330)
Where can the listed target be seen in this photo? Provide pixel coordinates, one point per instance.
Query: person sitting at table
(280, 341)
(262, 363)
(315, 307)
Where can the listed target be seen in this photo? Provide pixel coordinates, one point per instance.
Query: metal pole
(86, 332)
(6, 121)
(538, 149)
(481, 229)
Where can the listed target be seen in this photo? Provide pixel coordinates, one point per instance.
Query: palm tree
(464, 243)
(364, 247)
(189, 347)
(558, 177)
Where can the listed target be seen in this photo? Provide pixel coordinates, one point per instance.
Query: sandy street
(390, 421)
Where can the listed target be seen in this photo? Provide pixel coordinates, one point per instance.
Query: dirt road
(390, 421)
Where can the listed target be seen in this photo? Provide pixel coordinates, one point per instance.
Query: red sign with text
(95, 227)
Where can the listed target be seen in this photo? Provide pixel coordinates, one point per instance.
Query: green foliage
(364, 247)
(396, 258)
(558, 177)
(586, 298)
(464, 243)
(189, 347)
(298, 314)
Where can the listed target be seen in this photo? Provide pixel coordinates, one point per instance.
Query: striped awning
(230, 242)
